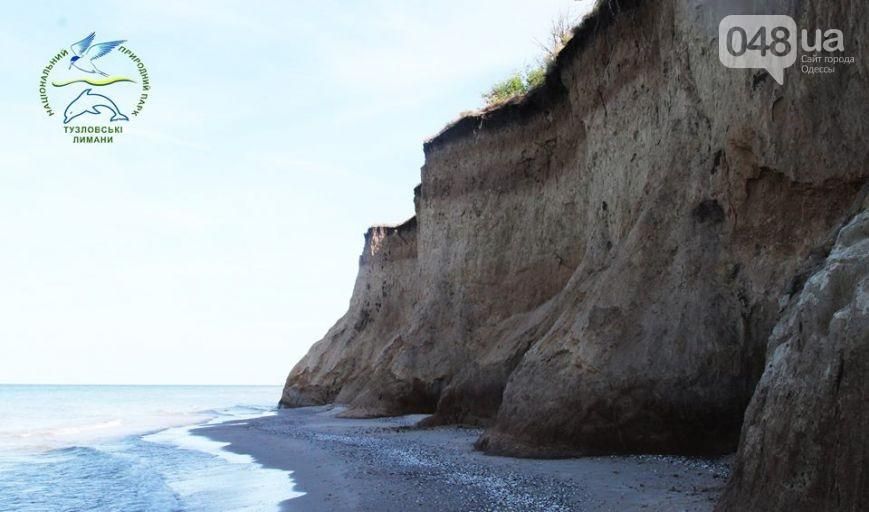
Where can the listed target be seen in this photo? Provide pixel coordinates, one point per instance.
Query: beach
(388, 464)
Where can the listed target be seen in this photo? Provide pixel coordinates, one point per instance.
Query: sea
(130, 449)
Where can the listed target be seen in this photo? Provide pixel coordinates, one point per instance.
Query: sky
(218, 238)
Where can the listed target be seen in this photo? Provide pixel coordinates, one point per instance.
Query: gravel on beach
(386, 465)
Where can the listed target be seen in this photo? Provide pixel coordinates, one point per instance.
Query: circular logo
(94, 88)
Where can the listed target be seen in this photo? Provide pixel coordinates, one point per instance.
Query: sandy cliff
(804, 444)
(599, 267)
(342, 366)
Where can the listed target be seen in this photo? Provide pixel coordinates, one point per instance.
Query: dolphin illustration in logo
(85, 53)
(89, 103)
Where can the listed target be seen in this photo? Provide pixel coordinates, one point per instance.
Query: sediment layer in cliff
(598, 267)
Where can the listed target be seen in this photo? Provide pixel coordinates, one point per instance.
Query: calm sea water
(129, 448)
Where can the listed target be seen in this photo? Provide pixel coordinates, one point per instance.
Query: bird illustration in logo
(85, 53)
(89, 103)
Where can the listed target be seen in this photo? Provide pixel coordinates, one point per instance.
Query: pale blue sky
(218, 238)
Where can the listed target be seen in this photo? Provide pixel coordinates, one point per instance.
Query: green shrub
(504, 90)
(520, 83)
(535, 77)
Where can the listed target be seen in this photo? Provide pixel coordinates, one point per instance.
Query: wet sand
(385, 465)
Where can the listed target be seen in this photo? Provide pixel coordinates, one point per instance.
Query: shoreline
(381, 465)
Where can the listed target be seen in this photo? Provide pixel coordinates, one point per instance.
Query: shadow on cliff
(598, 267)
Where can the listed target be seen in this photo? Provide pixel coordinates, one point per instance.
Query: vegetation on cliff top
(520, 83)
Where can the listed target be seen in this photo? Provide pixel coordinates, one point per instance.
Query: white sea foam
(254, 487)
(89, 447)
(42, 418)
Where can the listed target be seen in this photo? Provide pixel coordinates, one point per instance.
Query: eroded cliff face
(340, 367)
(598, 267)
(805, 444)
